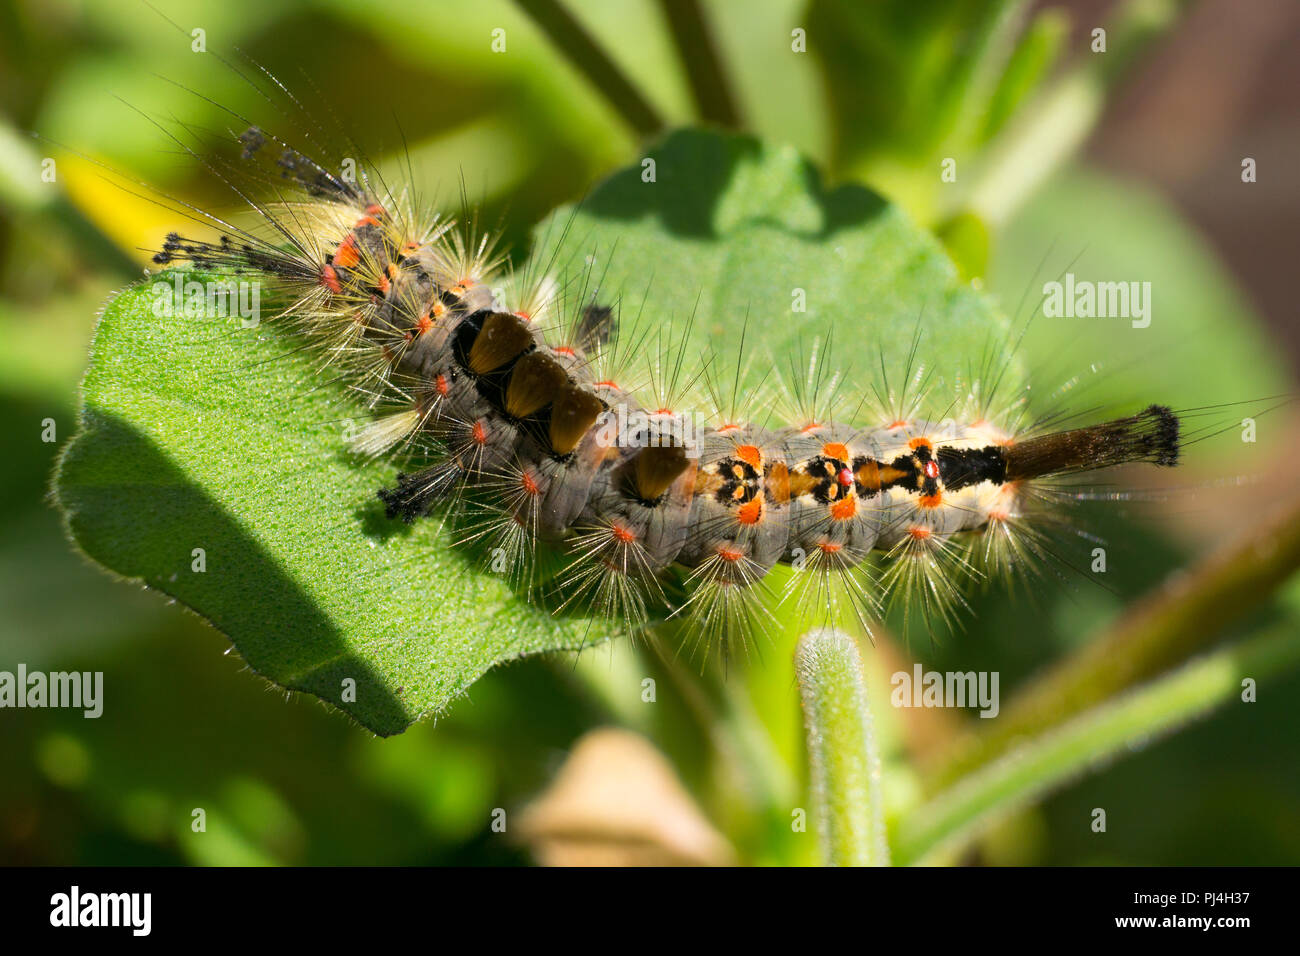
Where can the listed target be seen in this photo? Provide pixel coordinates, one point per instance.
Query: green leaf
(726, 235)
(200, 435)
(910, 84)
(197, 436)
(1034, 56)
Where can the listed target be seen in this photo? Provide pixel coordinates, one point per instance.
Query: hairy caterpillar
(529, 420)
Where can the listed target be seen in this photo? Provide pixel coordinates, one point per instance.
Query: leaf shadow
(132, 510)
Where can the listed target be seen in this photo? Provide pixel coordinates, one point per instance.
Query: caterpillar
(521, 407)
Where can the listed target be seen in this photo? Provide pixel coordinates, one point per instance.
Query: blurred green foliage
(286, 781)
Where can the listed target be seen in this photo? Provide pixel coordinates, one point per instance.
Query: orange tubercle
(836, 450)
(347, 254)
(751, 512)
(330, 279)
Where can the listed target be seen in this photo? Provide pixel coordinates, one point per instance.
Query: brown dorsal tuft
(655, 469)
(503, 337)
(535, 381)
(573, 411)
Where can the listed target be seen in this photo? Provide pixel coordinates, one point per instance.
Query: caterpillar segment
(513, 404)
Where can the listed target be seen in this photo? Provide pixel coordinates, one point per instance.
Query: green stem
(1178, 620)
(698, 52)
(1057, 124)
(581, 50)
(1027, 770)
(845, 767)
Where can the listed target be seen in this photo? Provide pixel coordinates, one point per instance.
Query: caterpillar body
(524, 406)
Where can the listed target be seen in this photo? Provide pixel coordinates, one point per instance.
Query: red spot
(563, 350)
(330, 279)
(524, 315)
(530, 483)
(620, 533)
(730, 554)
(897, 423)
(663, 411)
(930, 501)
(845, 477)
(366, 221)
(810, 427)
(440, 383)
(479, 433)
(931, 469)
(919, 443)
(751, 512)
(998, 516)
(919, 532)
(607, 384)
(374, 209)
(424, 325)
(829, 547)
(383, 284)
